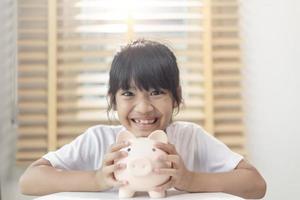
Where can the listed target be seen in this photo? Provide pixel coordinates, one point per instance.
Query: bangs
(145, 72)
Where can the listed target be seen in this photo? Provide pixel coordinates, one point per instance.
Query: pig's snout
(140, 167)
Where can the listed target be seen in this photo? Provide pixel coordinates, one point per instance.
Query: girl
(144, 89)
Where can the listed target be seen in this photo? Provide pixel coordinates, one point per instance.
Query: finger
(169, 184)
(112, 168)
(111, 157)
(115, 183)
(118, 146)
(168, 148)
(166, 171)
(173, 159)
(120, 183)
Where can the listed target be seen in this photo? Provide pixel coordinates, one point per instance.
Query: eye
(153, 149)
(157, 92)
(127, 93)
(128, 149)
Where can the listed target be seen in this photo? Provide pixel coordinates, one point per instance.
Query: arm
(42, 178)
(244, 181)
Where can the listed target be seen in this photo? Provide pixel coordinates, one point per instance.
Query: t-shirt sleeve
(75, 155)
(215, 156)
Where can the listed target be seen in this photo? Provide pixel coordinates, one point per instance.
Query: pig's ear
(124, 136)
(159, 136)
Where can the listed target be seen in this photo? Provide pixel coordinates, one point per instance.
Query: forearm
(240, 182)
(44, 179)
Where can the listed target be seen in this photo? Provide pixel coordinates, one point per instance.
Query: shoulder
(102, 133)
(188, 131)
(101, 129)
(180, 127)
(185, 131)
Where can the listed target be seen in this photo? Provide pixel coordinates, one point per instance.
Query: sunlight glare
(116, 10)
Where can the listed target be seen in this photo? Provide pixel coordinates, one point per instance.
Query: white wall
(271, 33)
(8, 48)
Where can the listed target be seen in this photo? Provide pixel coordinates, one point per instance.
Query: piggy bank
(142, 158)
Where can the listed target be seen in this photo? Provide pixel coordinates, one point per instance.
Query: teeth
(144, 121)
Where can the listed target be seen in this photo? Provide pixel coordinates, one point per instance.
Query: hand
(105, 175)
(180, 177)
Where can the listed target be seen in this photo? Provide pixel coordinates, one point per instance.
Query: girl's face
(142, 112)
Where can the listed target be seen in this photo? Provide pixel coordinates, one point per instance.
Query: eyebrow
(130, 88)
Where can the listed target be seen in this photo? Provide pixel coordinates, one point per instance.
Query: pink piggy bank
(142, 158)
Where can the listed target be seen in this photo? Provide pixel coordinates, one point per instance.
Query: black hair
(147, 64)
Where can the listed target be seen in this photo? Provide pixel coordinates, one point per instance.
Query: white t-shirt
(200, 151)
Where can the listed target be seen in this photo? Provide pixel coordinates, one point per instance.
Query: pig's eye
(153, 149)
(129, 149)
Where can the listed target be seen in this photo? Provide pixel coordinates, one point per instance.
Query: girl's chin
(142, 133)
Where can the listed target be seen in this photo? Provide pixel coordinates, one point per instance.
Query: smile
(145, 121)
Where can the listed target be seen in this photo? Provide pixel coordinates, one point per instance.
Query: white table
(110, 195)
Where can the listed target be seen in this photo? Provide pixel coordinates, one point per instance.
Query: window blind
(32, 80)
(85, 35)
(226, 70)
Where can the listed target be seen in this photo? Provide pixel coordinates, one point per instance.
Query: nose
(140, 167)
(143, 106)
